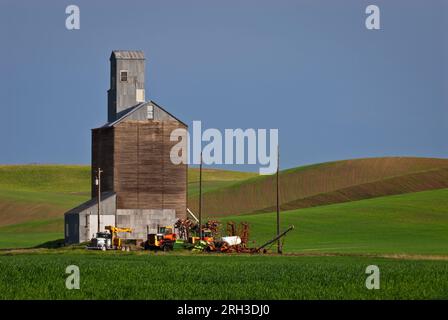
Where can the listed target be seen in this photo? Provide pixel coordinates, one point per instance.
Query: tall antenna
(279, 243)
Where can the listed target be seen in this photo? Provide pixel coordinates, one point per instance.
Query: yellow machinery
(117, 242)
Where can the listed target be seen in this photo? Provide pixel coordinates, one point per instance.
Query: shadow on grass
(59, 243)
(53, 244)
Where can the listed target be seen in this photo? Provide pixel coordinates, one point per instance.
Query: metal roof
(128, 54)
(122, 115)
(91, 202)
(163, 109)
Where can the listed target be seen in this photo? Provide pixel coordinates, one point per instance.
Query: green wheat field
(392, 213)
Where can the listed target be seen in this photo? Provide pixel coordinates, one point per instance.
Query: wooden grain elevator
(140, 186)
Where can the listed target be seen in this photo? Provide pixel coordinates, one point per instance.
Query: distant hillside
(35, 192)
(45, 178)
(327, 183)
(213, 179)
(33, 198)
(411, 223)
(42, 192)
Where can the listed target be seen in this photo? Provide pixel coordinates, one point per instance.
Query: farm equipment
(164, 239)
(242, 231)
(238, 244)
(189, 230)
(109, 240)
(207, 235)
(236, 240)
(117, 242)
(291, 227)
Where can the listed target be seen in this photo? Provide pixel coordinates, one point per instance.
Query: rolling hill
(39, 192)
(327, 183)
(412, 223)
(35, 192)
(214, 179)
(33, 198)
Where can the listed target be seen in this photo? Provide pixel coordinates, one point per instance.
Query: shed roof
(128, 54)
(92, 202)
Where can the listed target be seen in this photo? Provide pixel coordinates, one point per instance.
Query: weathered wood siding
(103, 157)
(126, 169)
(174, 176)
(144, 176)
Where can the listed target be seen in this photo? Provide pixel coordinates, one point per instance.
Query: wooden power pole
(279, 242)
(200, 198)
(98, 183)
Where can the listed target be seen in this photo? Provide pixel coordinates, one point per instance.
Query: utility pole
(200, 198)
(98, 183)
(279, 242)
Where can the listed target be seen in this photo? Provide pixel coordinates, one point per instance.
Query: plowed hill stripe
(304, 182)
(422, 181)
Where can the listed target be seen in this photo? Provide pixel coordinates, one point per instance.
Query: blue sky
(334, 89)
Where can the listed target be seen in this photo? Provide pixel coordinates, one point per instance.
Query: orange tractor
(164, 239)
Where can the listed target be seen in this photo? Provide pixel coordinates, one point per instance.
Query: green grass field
(149, 276)
(40, 192)
(410, 226)
(49, 178)
(31, 233)
(406, 235)
(414, 223)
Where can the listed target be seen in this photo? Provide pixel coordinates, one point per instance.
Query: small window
(66, 231)
(123, 75)
(150, 112)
